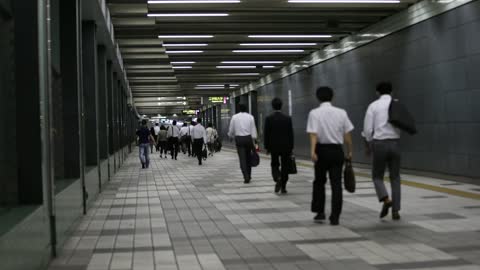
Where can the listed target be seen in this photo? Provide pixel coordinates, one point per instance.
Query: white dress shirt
(329, 123)
(242, 124)
(173, 131)
(184, 131)
(211, 134)
(198, 132)
(157, 130)
(376, 125)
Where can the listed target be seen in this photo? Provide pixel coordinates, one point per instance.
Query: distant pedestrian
(278, 139)
(211, 137)
(173, 141)
(186, 139)
(383, 140)
(162, 141)
(329, 128)
(156, 129)
(199, 138)
(152, 144)
(243, 129)
(144, 139)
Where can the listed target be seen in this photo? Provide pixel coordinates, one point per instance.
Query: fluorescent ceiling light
(192, 1)
(236, 67)
(182, 67)
(216, 85)
(188, 15)
(252, 62)
(171, 52)
(184, 62)
(290, 36)
(186, 45)
(210, 87)
(241, 74)
(185, 36)
(268, 51)
(278, 44)
(268, 66)
(346, 1)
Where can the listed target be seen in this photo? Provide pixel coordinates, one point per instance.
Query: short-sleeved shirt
(143, 135)
(329, 123)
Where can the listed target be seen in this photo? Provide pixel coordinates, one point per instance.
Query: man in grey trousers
(383, 141)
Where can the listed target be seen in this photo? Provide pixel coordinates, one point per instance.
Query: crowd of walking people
(330, 135)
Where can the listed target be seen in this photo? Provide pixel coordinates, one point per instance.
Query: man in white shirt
(211, 137)
(199, 139)
(329, 128)
(243, 129)
(156, 129)
(186, 139)
(383, 139)
(172, 134)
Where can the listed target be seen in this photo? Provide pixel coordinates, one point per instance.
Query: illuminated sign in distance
(216, 99)
(189, 112)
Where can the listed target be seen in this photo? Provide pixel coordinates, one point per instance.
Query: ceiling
(169, 73)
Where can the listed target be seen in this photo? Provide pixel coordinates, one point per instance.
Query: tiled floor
(177, 215)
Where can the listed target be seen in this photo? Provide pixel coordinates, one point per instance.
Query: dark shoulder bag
(400, 117)
(349, 177)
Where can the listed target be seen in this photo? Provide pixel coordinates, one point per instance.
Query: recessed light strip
(290, 36)
(173, 52)
(182, 67)
(184, 36)
(278, 44)
(188, 15)
(268, 51)
(236, 67)
(186, 45)
(184, 62)
(252, 62)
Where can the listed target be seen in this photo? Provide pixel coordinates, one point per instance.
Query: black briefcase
(400, 117)
(254, 159)
(349, 177)
(292, 165)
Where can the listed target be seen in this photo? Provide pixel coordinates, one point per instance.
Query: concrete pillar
(89, 62)
(252, 99)
(71, 72)
(28, 137)
(110, 86)
(102, 101)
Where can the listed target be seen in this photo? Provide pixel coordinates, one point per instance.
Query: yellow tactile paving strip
(450, 191)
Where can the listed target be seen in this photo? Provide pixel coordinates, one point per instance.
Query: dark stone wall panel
(434, 69)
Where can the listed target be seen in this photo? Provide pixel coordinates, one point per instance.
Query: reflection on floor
(177, 215)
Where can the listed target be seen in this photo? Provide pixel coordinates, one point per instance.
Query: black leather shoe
(334, 222)
(386, 206)
(395, 215)
(319, 217)
(277, 187)
(247, 180)
(284, 191)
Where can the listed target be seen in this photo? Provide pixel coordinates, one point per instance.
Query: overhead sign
(216, 99)
(189, 112)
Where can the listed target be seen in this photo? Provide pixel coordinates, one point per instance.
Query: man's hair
(324, 94)
(162, 127)
(242, 108)
(144, 122)
(199, 120)
(174, 122)
(384, 88)
(277, 104)
(156, 124)
(210, 125)
(185, 124)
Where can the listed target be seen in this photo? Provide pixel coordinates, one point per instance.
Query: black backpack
(400, 117)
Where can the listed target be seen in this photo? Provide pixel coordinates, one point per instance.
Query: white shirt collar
(385, 96)
(325, 104)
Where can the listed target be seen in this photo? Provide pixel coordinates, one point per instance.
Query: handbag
(400, 117)
(254, 159)
(292, 165)
(349, 177)
(204, 153)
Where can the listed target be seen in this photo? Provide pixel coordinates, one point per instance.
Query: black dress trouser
(244, 148)
(330, 160)
(279, 164)
(174, 144)
(197, 149)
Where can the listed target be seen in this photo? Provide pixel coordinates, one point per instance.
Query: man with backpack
(383, 142)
